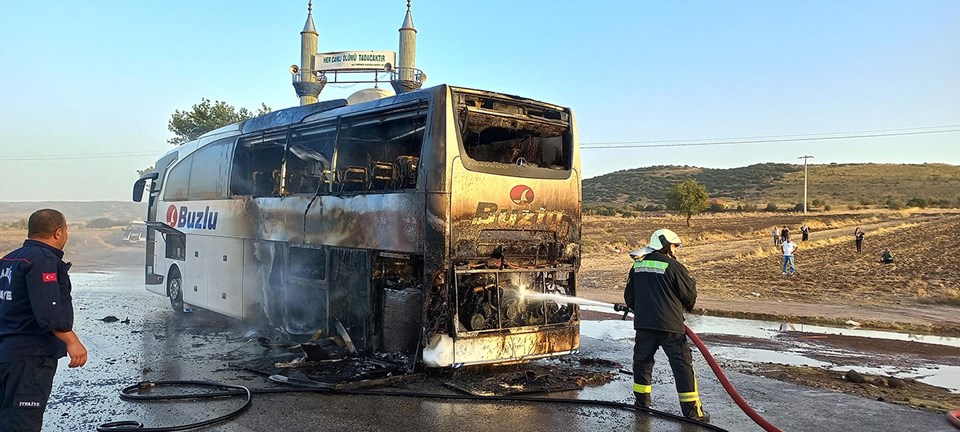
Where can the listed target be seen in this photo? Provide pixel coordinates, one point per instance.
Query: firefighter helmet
(658, 240)
(662, 236)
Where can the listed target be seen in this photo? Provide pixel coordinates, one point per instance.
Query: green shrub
(917, 202)
(771, 207)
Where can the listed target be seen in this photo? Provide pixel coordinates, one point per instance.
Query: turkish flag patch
(48, 277)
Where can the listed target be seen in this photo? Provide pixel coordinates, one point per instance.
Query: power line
(112, 155)
(770, 139)
(698, 142)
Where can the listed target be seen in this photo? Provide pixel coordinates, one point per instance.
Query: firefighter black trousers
(25, 386)
(681, 361)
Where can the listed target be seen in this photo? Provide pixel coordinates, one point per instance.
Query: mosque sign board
(355, 60)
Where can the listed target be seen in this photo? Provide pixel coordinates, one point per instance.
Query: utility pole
(805, 181)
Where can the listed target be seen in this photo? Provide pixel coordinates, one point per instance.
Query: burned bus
(416, 223)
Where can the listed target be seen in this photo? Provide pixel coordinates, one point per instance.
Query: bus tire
(175, 292)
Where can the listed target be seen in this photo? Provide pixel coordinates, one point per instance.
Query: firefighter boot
(643, 399)
(694, 411)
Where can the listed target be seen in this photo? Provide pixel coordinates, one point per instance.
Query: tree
(205, 117)
(688, 198)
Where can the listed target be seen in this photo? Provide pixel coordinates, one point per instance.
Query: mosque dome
(369, 94)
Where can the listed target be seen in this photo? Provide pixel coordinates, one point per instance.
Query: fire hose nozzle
(622, 307)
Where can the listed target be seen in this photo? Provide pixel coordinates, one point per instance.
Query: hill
(75, 211)
(852, 185)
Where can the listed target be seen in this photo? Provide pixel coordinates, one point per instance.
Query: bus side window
(178, 181)
(380, 152)
(208, 173)
(255, 162)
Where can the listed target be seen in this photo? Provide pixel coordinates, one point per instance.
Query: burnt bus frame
(434, 246)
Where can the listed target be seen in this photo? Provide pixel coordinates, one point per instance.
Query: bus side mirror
(141, 182)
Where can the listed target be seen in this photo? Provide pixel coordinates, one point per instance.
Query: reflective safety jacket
(35, 300)
(659, 289)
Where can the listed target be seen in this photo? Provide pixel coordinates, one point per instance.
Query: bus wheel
(175, 291)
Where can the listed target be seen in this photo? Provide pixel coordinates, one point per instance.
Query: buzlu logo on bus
(184, 218)
(521, 194)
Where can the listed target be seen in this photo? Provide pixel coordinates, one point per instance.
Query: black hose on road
(312, 387)
(126, 393)
(132, 393)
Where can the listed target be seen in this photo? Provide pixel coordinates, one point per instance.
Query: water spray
(560, 298)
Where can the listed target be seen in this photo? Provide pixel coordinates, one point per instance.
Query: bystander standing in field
(784, 234)
(858, 238)
(789, 248)
(36, 322)
(805, 232)
(776, 236)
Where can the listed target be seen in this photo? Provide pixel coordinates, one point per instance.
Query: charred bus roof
(288, 116)
(298, 114)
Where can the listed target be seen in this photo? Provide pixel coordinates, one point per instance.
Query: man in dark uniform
(658, 290)
(36, 322)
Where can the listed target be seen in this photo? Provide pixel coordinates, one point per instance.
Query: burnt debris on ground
(544, 376)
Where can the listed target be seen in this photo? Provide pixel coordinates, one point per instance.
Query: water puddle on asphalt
(939, 375)
(107, 280)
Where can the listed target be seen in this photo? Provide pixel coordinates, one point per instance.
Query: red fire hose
(954, 418)
(732, 391)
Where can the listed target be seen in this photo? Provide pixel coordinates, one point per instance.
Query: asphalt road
(156, 344)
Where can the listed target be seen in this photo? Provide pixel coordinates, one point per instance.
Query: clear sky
(87, 87)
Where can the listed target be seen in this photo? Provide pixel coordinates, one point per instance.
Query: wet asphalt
(156, 344)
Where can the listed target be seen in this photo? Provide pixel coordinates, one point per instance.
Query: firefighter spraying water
(660, 289)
